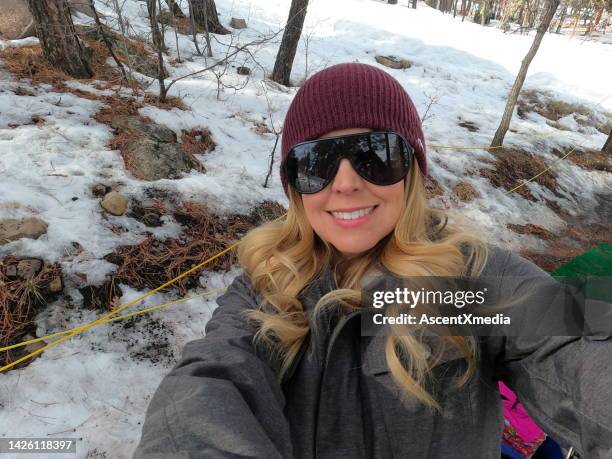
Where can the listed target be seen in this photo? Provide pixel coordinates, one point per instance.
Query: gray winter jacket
(222, 399)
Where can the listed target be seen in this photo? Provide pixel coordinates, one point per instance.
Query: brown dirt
(197, 141)
(28, 62)
(183, 25)
(35, 120)
(118, 107)
(261, 127)
(134, 52)
(543, 103)
(533, 230)
(465, 191)
(153, 262)
(170, 103)
(591, 159)
(149, 339)
(20, 300)
(101, 297)
(514, 166)
(149, 214)
(432, 188)
(581, 233)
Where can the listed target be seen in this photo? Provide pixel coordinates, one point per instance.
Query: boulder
(16, 22)
(151, 160)
(155, 131)
(153, 152)
(12, 229)
(114, 203)
(236, 23)
(393, 62)
(140, 58)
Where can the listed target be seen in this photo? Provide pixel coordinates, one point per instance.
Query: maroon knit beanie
(351, 95)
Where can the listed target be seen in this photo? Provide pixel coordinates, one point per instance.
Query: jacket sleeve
(564, 382)
(221, 399)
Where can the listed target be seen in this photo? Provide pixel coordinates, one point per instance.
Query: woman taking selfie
(284, 370)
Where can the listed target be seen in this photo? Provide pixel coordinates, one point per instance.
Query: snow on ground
(96, 387)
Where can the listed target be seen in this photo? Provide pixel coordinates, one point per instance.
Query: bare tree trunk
(607, 148)
(506, 9)
(175, 27)
(549, 12)
(58, 38)
(561, 18)
(414, 3)
(175, 8)
(484, 11)
(289, 43)
(521, 13)
(205, 15)
(194, 31)
(533, 16)
(526, 15)
(455, 8)
(158, 41)
(392, 2)
(576, 22)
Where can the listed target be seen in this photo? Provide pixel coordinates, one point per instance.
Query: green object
(591, 272)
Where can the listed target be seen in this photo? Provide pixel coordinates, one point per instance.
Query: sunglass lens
(381, 158)
(312, 166)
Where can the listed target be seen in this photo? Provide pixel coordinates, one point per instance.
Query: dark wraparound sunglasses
(381, 158)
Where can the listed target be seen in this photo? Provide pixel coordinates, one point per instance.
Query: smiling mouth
(354, 215)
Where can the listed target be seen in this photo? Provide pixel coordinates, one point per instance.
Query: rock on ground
(393, 62)
(114, 203)
(12, 229)
(153, 152)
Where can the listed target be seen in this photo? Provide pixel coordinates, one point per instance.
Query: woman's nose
(346, 179)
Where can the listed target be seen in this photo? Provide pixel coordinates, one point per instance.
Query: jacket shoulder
(502, 262)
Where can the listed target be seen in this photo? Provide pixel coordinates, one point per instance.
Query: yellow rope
(123, 316)
(82, 328)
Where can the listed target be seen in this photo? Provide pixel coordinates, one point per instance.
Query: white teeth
(353, 215)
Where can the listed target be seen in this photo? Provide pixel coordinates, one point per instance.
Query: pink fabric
(520, 432)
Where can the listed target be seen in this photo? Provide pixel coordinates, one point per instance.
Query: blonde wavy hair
(282, 258)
